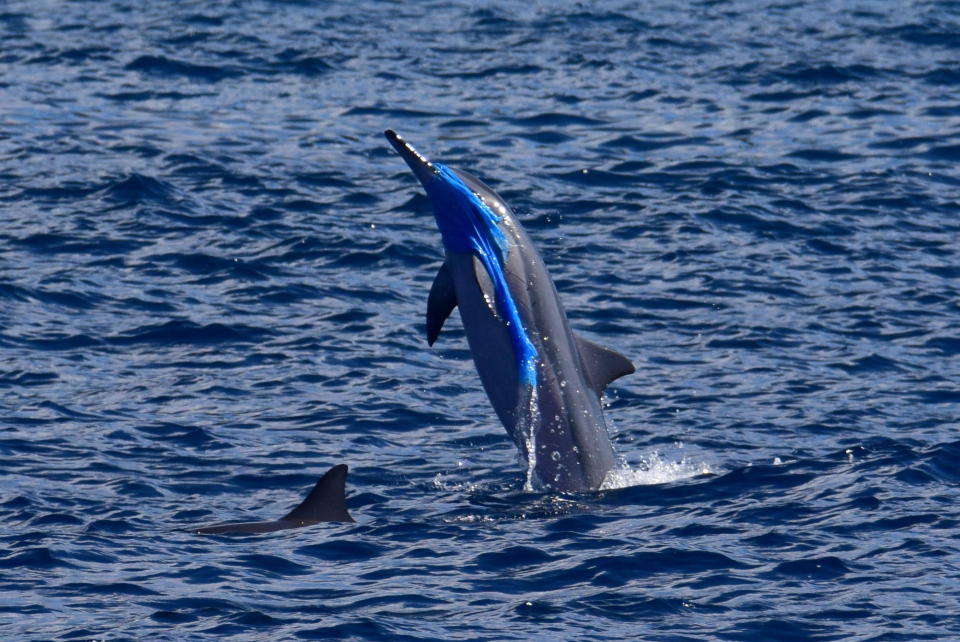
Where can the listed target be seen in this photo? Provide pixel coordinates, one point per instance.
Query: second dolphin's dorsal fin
(602, 365)
(440, 303)
(326, 502)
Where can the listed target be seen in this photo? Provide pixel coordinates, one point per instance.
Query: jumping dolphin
(543, 380)
(325, 503)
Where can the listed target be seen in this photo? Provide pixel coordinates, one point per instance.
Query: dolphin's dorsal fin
(440, 303)
(326, 502)
(602, 365)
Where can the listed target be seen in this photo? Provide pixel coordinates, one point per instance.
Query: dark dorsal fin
(326, 502)
(440, 303)
(602, 365)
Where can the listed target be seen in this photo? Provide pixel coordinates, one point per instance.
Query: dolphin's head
(424, 170)
(469, 214)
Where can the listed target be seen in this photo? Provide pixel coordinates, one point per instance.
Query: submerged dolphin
(325, 503)
(543, 380)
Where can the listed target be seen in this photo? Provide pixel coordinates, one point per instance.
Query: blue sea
(213, 284)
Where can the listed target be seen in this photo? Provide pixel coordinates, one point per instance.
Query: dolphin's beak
(422, 168)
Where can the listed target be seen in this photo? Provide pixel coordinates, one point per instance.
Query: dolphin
(325, 503)
(544, 381)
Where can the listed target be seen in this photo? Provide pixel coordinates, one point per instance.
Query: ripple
(35, 558)
(822, 155)
(137, 188)
(823, 568)
(189, 333)
(163, 66)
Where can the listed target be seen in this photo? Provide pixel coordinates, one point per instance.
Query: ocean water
(213, 281)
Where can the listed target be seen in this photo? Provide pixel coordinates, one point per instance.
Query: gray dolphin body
(325, 503)
(543, 381)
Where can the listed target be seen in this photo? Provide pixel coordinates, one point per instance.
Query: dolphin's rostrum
(325, 503)
(543, 380)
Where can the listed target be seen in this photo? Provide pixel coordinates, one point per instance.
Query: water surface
(213, 281)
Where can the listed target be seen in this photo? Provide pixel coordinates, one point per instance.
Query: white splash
(654, 468)
(445, 483)
(528, 417)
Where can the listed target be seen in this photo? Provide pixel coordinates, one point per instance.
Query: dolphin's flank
(543, 380)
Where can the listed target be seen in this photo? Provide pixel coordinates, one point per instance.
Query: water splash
(655, 468)
(447, 482)
(528, 418)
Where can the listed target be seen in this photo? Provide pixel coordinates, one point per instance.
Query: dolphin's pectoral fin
(602, 365)
(440, 303)
(486, 285)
